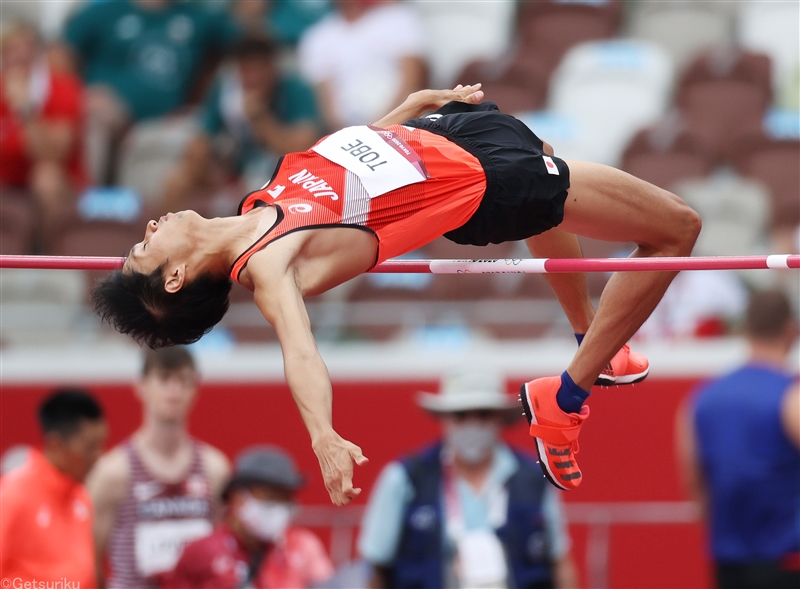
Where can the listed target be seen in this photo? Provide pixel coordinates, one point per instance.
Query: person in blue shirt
(739, 440)
(467, 511)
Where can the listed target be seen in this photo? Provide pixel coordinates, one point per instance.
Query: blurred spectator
(263, 115)
(41, 117)
(739, 441)
(705, 303)
(159, 488)
(47, 17)
(363, 60)
(469, 511)
(255, 546)
(46, 513)
(140, 59)
(282, 20)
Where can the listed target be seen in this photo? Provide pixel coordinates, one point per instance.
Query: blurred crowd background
(115, 112)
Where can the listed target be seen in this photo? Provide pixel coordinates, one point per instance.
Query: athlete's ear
(175, 278)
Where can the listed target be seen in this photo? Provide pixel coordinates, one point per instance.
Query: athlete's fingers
(357, 455)
(351, 493)
(475, 97)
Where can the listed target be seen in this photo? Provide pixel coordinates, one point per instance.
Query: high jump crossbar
(479, 266)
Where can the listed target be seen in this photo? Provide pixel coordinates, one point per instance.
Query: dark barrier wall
(627, 453)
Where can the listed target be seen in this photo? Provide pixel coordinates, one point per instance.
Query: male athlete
(160, 488)
(366, 194)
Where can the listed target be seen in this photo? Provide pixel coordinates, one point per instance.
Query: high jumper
(366, 194)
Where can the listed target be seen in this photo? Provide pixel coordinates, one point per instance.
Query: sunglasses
(480, 414)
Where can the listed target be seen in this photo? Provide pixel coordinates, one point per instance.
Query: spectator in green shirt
(255, 109)
(140, 59)
(284, 21)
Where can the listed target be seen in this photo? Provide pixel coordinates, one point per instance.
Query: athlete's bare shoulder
(217, 468)
(110, 476)
(314, 259)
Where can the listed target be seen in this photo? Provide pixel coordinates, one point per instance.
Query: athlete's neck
(165, 438)
(769, 352)
(221, 240)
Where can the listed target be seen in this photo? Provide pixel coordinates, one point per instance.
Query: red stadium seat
(666, 153)
(724, 95)
(775, 163)
(548, 29)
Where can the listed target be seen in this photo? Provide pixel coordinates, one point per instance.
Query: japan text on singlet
(406, 186)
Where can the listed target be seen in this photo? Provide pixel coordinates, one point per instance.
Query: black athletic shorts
(522, 199)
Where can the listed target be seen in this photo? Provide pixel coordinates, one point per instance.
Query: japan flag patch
(551, 166)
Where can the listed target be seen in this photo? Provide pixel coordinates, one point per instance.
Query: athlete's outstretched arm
(423, 101)
(281, 302)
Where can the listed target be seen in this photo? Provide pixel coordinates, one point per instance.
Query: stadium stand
(460, 31)
(775, 163)
(677, 93)
(611, 88)
(666, 153)
(701, 24)
(771, 28)
(724, 94)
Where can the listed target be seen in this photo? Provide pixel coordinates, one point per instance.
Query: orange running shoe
(626, 367)
(556, 432)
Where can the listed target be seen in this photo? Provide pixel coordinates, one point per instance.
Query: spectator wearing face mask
(255, 545)
(469, 511)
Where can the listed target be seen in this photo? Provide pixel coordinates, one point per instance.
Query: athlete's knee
(685, 227)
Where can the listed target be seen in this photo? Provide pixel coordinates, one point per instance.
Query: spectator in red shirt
(45, 511)
(40, 130)
(255, 546)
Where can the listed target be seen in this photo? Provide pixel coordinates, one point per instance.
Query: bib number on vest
(159, 544)
(382, 161)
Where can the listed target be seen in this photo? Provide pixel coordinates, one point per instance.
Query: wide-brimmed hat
(267, 465)
(470, 389)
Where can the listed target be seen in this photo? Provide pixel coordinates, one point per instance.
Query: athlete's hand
(336, 458)
(423, 101)
(427, 100)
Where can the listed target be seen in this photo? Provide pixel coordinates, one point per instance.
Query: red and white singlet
(407, 186)
(156, 520)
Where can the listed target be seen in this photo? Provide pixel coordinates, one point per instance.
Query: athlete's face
(168, 395)
(166, 240)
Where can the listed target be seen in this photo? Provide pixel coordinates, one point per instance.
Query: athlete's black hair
(137, 304)
(64, 410)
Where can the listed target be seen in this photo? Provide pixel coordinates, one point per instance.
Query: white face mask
(472, 442)
(266, 520)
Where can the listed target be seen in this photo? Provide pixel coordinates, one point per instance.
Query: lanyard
(495, 493)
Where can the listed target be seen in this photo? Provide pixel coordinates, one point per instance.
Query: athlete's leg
(608, 204)
(570, 289)
(604, 203)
